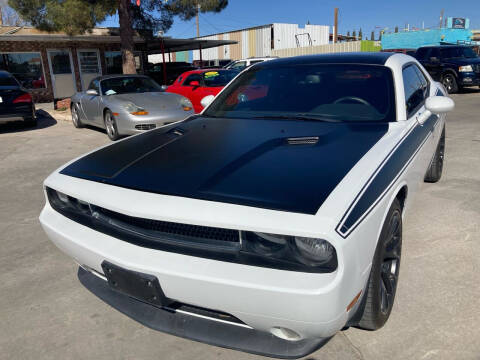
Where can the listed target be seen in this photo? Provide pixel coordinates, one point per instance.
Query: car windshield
(216, 78)
(323, 92)
(458, 52)
(127, 85)
(7, 80)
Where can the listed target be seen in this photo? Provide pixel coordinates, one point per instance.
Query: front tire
(383, 280)
(449, 81)
(111, 126)
(76, 117)
(434, 172)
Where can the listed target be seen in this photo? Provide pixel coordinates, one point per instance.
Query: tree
(348, 33)
(354, 34)
(372, 36)
(9, 16)
(360, 35)
(396, 29)
(80, 16)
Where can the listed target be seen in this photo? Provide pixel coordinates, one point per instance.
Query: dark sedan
(16, 104)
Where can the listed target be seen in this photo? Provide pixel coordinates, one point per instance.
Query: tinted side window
(423, 81)
(414, 90)
(422, 53)
(94, 85)
(193, 77)
(435, 53)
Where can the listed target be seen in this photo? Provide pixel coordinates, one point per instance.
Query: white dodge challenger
(270, 221)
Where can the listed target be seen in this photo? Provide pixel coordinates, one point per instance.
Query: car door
(193, 92)
(432, 63)
(421, 138)
(91, 103)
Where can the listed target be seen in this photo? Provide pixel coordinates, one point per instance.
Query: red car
(196, 84)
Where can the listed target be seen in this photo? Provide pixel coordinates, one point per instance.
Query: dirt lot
(46, 314)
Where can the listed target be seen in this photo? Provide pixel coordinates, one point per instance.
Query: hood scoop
(305, 140)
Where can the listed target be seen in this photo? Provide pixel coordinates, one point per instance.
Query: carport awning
(173, 45)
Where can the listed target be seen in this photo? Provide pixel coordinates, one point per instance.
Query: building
(456, 32)
(260, 41)
(56, 65)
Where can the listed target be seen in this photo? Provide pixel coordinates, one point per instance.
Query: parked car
(244, 63)
(197, 84)
(173, 70)
(455, 66)
(262, 225)
(16, 103)
(217, 63)
(127, 104)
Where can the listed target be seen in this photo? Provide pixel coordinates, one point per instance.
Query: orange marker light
(354, 301)
(187, 108)
(115, 114)
(139, 113)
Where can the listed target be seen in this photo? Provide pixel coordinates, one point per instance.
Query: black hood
(239, 161)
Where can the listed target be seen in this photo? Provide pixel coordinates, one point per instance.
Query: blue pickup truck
(455, 66)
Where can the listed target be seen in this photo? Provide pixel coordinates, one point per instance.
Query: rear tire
(111, 126)
(449, 81)
(434, 172)
(383, 280)
(76, 117)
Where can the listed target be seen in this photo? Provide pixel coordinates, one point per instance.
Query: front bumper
(469, 79)
(199, 328)
(131, 124)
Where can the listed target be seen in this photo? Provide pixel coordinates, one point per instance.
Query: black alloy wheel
(383, 280)
(450, 83)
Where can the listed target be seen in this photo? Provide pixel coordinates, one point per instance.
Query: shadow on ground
(44, 120)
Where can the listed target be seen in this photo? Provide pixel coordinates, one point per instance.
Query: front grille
(145, 126)
(171, 228)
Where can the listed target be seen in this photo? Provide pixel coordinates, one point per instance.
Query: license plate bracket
(141, 286)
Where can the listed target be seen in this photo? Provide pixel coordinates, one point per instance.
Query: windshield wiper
(306, 117)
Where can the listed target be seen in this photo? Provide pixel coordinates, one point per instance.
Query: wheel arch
(449, 71)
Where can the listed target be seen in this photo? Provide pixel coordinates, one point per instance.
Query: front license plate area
(143, 287)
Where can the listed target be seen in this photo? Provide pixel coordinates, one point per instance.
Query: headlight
(466, 68)
(314, 251)
(186, 104)
(63, 202)
(310, 252)
(134, 109)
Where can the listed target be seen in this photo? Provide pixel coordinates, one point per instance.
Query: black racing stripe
(386, 176)
(237, 161)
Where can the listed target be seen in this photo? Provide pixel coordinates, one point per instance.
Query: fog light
(285, 334)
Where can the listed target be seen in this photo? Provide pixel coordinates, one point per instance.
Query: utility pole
(441, 19)
(335, 26)
(198, 21)
(1, 16)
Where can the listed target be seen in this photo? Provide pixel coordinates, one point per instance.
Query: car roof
(444, 46)
(372, 58)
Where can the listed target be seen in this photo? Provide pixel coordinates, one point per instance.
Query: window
(94, 85)
(240, 65)
(26, 67)
(129, 85)
(193, 77)
(218, 78)
(323, 92)
(7, 80)
(88, 62)
(114, 62)
(414, 90)
(422, 53)
(458, 52)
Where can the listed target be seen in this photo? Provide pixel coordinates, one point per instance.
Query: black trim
(391, 168)
(194, 328)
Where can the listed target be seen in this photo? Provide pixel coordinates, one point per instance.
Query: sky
(368, 15)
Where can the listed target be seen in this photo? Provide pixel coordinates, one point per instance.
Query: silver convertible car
(126, 105)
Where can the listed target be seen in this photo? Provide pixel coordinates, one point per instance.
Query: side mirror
(163, 88)
(92, 92)
(207, 100)
(436, 105)
(194, 83)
